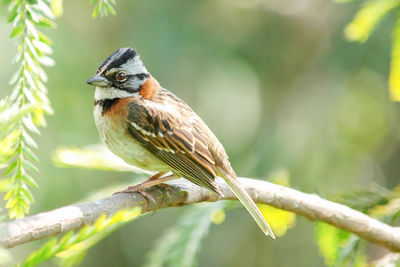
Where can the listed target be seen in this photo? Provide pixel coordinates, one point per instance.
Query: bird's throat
(106, 104)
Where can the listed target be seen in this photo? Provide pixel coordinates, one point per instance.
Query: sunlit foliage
(365, 22)
(28, 101)
(72, 247)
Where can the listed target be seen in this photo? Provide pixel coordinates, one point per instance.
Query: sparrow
(149, 127)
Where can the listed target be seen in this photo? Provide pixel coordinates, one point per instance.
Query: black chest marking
(106, 104)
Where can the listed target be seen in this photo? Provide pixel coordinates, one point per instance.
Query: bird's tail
(248, 203)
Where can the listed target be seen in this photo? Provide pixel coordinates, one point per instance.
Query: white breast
(120, 142)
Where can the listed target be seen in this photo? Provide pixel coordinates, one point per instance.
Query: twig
(182, 193)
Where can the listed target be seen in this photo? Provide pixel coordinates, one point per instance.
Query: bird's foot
(155, 180)
(139, 188)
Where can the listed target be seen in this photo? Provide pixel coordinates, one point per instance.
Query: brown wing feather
(173, 141)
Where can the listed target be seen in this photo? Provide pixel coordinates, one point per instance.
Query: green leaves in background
(363, 24)
(95, 157)
(181, 243)
(339, 247)
(394, 76)
(72, 247)
(390, 210)
(57, 7)
(279, 220)
(22, 113)
(10, 115)
(103, 8)
(364, 199)
(367, 18)
(27, 103)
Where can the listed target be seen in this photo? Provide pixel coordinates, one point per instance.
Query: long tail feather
(248, 203)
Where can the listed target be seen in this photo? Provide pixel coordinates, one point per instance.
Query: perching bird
(149, 127)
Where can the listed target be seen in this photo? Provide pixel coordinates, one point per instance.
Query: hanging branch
(182, 193)
(28, 101)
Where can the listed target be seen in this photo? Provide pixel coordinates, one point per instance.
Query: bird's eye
(121, 76)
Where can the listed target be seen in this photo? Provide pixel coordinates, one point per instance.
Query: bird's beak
(98, 80)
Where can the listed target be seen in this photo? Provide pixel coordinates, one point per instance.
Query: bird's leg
(156, 179)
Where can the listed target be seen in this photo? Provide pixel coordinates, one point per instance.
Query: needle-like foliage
(365, 22)
(103, 8)
(72, 247)
(27, 102)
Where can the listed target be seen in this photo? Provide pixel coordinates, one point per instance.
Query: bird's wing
(170, 137)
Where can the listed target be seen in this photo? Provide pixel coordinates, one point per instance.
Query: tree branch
(182, 193)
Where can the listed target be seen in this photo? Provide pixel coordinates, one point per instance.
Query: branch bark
(182, 193)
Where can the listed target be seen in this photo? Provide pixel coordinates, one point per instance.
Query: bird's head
(122, 74)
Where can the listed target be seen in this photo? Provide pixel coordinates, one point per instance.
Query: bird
(151, 128)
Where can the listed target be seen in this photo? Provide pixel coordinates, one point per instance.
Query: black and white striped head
(122, 74)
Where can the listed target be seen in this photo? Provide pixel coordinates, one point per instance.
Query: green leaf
(103, 7)
(31, 28)
(30, 62)
(30, 166)
(45, 39)
(29, 180)
(46, 61)
(27, 194)
(352, 253)
(12, 116)
(71, 248)
(29, 154)
(16, 76)
(28, 123)
(394, 76)
(10, 168)
(15, 213)
(29, 96)
(30, 80)
(367, 18)
(13, 14)
(45, 9)
(96, 11)
(57, 7)
(109, 7)
(9, 194)
(28, 139)
(17, 31)
(330, 239)
(279, 220)
(32, 49)
(31, 14)
(45, 22)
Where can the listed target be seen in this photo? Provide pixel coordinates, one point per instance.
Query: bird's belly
(121, 143)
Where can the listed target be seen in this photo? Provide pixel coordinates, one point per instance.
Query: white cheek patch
(108, 93)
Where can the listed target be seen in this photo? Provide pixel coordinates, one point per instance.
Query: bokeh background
(275, 80)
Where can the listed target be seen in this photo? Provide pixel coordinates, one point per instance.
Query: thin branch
(182, 193)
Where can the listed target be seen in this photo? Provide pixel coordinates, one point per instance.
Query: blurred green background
(275, 80)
